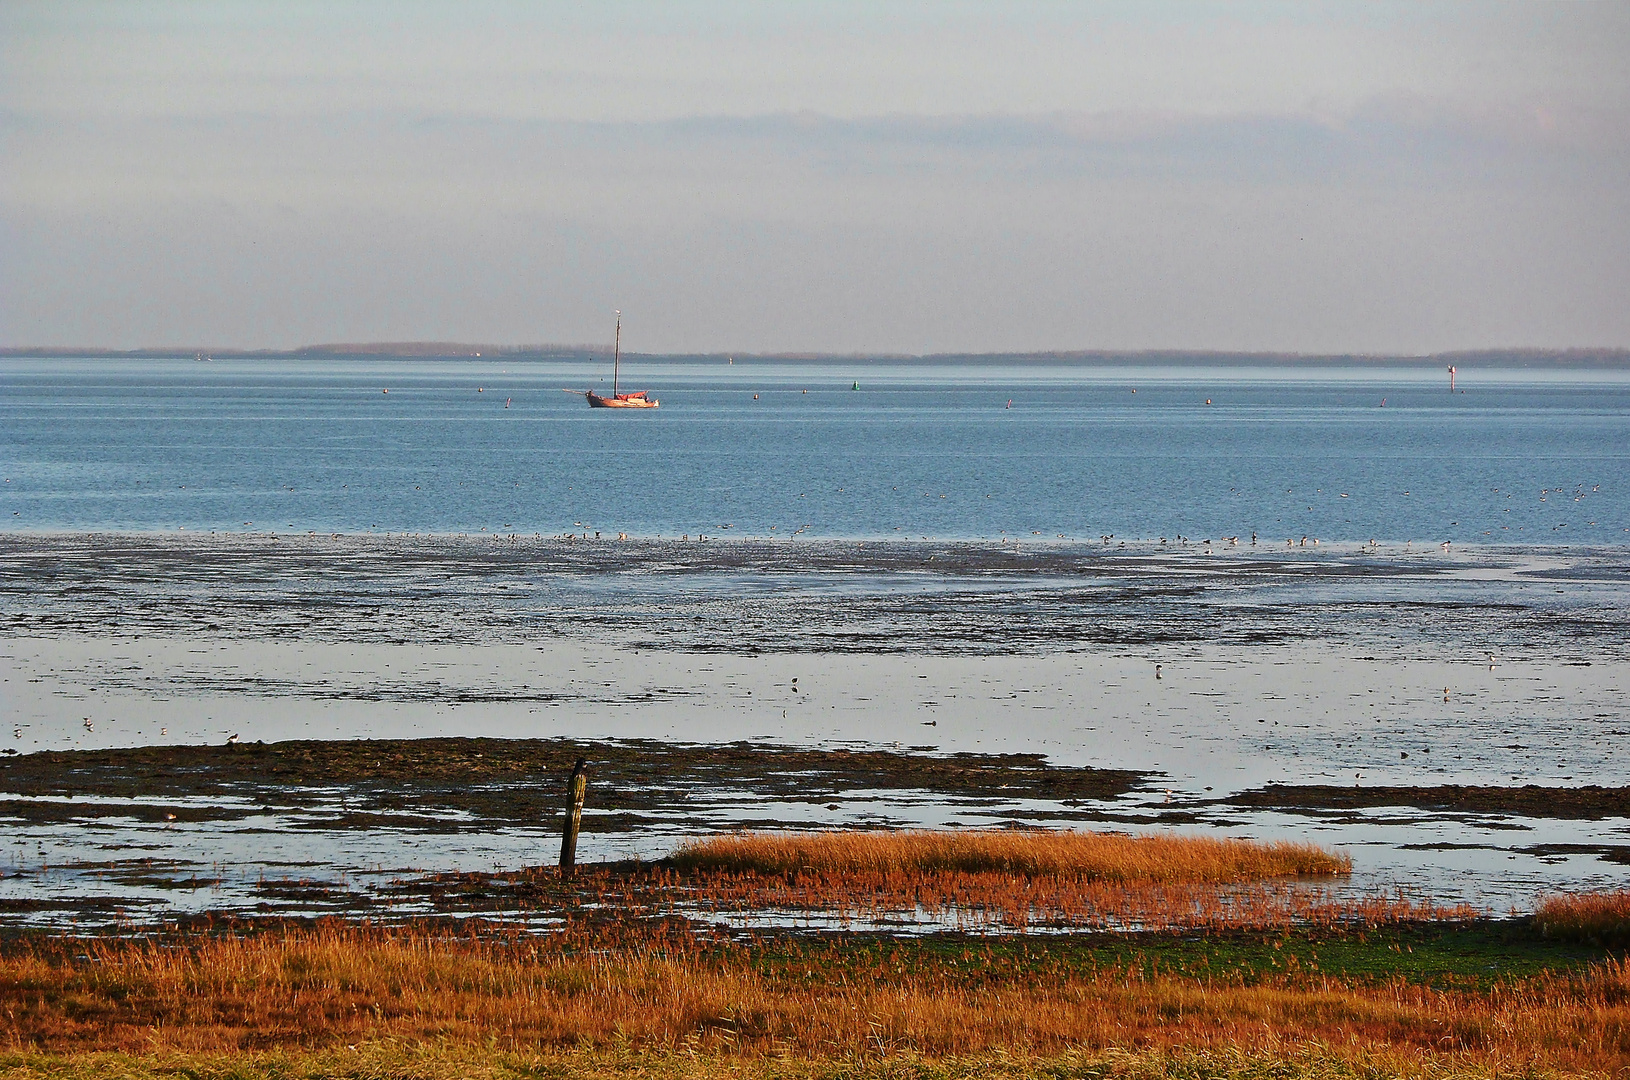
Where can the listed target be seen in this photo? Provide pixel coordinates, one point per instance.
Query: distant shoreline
(1556, 359)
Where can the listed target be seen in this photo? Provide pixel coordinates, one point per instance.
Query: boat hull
(622, 401)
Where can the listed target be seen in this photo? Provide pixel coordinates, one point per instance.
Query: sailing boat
(638, 399)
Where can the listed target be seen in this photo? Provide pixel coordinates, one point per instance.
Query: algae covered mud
(1453, 719)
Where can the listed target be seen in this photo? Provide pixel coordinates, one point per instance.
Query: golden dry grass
(661, 994)
(1081, 856)
(1595, 917)
(1019, 880)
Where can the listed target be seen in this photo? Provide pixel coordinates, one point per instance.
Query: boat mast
(617, 355)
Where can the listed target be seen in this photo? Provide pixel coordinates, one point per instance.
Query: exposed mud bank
(1585, 803)
(452, 783)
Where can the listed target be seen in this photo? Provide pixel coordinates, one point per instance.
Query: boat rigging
(637, 399)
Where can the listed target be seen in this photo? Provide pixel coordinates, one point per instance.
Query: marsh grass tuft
(1602, 918)
(1022, 880)
(1080, 856)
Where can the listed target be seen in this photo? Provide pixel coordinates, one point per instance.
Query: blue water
(920, 451)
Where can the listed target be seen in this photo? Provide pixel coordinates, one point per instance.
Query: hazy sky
(835, 177)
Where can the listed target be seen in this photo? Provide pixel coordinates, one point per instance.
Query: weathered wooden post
(576, 788)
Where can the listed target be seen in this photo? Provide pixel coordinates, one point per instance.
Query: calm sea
(777, 449)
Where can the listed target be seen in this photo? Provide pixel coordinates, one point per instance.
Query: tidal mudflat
(1451, 719)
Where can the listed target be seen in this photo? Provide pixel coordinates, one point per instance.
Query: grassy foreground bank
(448, 1000)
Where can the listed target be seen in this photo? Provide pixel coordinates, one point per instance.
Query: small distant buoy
(480, 389)
(1208, 401)
(755, 397)
(1010, 403)
(1134, 389)
(856, 386)
(507, 401)
(384, 391)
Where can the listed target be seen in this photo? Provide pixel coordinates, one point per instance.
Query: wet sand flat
(1212, 717)
(744, 596)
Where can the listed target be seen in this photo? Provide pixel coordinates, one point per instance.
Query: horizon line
(1608, 356)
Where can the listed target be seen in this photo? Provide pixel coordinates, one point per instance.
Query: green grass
(1472, 956)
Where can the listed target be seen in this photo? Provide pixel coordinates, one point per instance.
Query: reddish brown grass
(340, 985)
(456, 1061)
(1595, 917)
(1081, 856)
